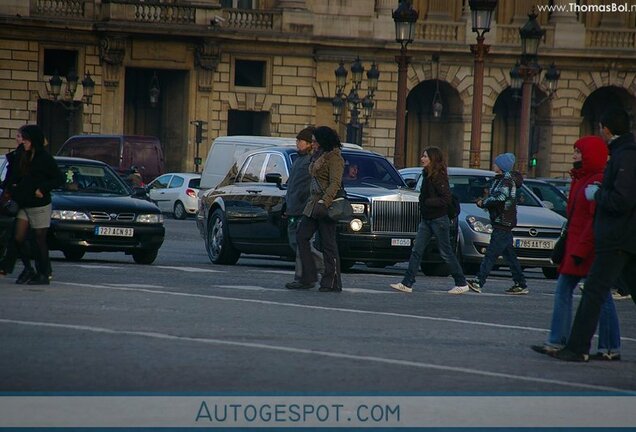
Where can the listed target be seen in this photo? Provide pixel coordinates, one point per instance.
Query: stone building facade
(266, 67)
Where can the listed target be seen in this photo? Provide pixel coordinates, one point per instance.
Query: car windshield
(370, 171)
(90, 179)
(470, 188)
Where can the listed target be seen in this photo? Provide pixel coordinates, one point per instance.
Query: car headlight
(479, 225)
(355, 224)
(69, 215)
(150, 218)
(358, 208)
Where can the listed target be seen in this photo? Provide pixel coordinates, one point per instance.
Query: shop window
(60, 60)
(237, 4)
(249, 73)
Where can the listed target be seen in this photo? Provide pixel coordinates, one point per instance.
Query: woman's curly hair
(327, 138)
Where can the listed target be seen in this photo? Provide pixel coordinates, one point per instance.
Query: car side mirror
(140, 192)
(410, 183)
(274, 178)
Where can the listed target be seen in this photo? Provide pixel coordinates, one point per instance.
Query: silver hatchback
(536, 232)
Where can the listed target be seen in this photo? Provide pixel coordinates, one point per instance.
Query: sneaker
(517, 289)
(543, 349)
(26, 275)
(618, 296)
(474, 285)
(298, 285)
(401, 287)
(606, 356)
(570, 356)
(459, 290)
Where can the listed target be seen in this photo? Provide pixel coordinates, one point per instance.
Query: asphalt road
(183, 324)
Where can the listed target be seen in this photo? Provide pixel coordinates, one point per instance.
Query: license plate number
(400, 242)
(114, 231)
(534, 244)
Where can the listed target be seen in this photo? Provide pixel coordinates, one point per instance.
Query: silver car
(536, 232)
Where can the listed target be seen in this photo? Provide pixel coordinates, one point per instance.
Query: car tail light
(191, 192)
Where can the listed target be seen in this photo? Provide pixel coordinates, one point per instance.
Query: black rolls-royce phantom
(245, 213)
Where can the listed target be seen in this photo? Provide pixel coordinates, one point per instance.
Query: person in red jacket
(590, 158)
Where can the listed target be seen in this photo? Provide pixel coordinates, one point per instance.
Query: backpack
(454, 208)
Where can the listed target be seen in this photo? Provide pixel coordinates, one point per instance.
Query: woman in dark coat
(590, 158)
(435, 197)
(326, 169)
(30, 185)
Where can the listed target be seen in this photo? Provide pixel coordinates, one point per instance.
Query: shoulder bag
(340, 207)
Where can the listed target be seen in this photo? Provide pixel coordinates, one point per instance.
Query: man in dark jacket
(296, 199)
(501, 204)
(614, 231)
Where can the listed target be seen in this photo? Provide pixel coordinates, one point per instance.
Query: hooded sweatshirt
(580, 212)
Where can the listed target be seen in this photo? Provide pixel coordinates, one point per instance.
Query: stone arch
(422, 130)
(599, 100)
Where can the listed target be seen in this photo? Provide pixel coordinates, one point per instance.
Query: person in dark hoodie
(298, 185)
(30, 185)
(590, 158)
(614, 233)
(501, 204)
(435, 198)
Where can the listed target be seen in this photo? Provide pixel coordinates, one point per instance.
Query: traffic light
(533, 161)
(201, 130)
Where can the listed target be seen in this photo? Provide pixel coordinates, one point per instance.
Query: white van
(226, 150)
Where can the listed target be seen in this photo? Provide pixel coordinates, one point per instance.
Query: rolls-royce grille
(395, 217)
(108, 217)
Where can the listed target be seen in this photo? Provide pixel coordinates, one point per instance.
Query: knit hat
(505, 161)
(306, 134)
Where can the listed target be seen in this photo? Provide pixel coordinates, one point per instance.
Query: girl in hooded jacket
(30, 185)
(590, 158)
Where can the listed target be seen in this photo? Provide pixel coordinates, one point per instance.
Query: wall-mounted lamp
(67, 100)
(154, 91)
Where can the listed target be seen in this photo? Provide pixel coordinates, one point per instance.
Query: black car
(95, 211)
(245, 213)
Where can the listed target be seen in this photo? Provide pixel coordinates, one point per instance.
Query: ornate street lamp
(353, 102)
(65, 98)
(481, 16)
(405, 18)
(525, 75)
(154, 91)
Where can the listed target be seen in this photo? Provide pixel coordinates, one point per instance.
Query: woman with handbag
(590, 158)
(30, 185)
(435, 199)
(326, 169)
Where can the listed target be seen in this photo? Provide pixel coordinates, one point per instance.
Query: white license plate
(400, 242)
(114, 231)
(534, 244)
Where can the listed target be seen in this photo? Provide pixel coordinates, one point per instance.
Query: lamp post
(524, 74)
(481, 16)
(357, 106)
(404, 17)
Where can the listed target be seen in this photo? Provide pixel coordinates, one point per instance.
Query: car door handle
(254, 191)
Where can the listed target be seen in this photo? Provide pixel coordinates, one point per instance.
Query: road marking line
(325, 308)
(285, 272)
(372, 359)
(94, 266)
(189, 269)
(133, 285)
(245, 287)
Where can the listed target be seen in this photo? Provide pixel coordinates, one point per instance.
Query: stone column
(568, 31)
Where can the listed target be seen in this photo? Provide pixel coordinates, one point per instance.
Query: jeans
(440, 228)
(292, 228)
(609, 337)
(501, 245)
(607, 267)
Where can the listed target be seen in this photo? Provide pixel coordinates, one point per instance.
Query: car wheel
(217, 241)
(73, 254)
(346, 265)
(145, 256)
(435, 269)
(550, 272)
(179, 211)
